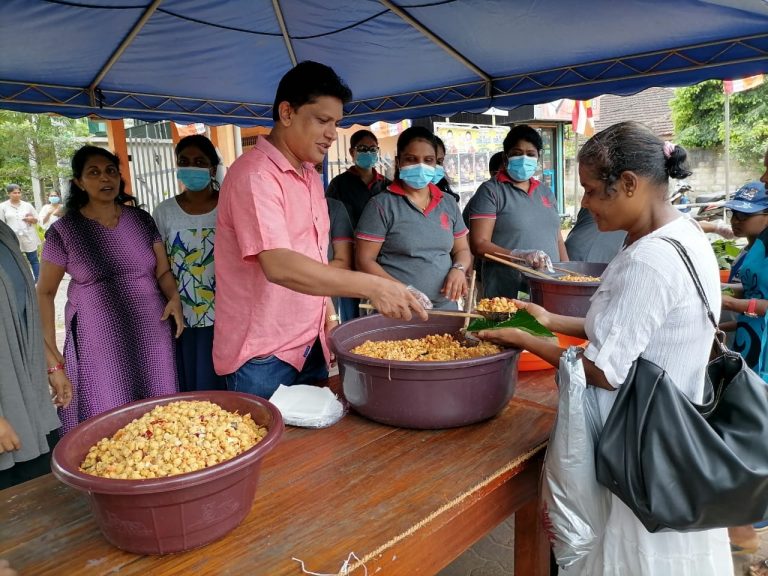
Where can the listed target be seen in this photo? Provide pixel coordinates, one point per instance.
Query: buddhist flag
(190, 129)
(581, 118)
(732, 86)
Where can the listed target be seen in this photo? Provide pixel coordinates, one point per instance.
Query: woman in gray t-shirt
(514, 211)
(413, 232)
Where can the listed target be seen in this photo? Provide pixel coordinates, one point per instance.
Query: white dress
(44, 211)
(14, 217)
(647, 305)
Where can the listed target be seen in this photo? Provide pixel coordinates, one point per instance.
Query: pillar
(118, 145)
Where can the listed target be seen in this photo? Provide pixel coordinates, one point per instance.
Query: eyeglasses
(364, 149)
(741, 216)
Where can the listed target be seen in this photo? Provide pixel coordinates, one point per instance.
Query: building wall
(707, 165)
(708, 168)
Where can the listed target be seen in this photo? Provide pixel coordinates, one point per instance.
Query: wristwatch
(333, 318)
(751, 310)
(458, 266)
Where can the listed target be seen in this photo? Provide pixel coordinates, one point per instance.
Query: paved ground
(741, 563)
(493, 555)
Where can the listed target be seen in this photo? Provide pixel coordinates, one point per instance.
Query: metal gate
(153, 167)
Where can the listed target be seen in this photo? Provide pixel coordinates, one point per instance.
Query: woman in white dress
(646, 305)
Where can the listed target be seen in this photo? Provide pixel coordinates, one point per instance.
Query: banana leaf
(726, 252)
(522, 320)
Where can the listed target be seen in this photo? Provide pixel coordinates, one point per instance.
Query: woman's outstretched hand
(513, 337)
(538, 312)
(508, 337)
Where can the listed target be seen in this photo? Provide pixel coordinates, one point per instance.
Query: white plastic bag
(575, 506)
(308, 406)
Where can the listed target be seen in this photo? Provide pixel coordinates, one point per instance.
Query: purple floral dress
(116, 349)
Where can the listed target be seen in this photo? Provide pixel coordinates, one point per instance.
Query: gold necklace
(419, 203)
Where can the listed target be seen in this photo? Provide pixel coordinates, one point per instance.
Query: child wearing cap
(749, 218)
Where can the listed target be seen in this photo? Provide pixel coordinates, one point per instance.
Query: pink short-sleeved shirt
(265, 204)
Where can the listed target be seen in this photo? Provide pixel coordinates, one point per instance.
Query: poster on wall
(468, 148)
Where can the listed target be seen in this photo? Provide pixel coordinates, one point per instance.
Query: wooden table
(405, 502)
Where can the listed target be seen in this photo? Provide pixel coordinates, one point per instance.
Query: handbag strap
(761, 365)
(719, 334)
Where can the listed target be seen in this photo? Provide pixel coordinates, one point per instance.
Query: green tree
(44, 141)
(698, 115)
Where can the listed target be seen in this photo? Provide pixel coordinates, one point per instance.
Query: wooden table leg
(531, 543)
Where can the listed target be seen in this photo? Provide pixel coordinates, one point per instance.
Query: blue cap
(750, 198)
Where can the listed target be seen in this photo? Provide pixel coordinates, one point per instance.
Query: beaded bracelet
(56, 368)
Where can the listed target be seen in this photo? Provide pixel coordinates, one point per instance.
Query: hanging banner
(189, 129)
(562, 110)
(582, 120)
(733, 86)
(385, 129)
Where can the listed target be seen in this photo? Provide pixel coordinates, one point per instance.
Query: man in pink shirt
(272, 279)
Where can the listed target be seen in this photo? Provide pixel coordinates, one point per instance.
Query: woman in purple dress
(119, 334)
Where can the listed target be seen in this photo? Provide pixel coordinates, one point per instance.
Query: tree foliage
(49, 141)
(698, 115)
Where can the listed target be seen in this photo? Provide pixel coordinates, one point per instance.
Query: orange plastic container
(724, 275)
(162, 515)
(530, 362)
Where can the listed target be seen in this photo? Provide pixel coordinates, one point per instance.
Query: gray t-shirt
(587, 244)
(340, 231)
(523, 221)
(25, 399)
(341, 227)
(416, 246)
(10, 266)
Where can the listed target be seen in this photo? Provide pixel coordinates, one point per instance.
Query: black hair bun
(677, 164)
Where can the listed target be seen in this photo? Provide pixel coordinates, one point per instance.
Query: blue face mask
(417, 175)
(54, 199)
(366, 160)
(521, 168)
(439, 174)
(194, 179)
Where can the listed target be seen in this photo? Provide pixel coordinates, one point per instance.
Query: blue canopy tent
(219, 61)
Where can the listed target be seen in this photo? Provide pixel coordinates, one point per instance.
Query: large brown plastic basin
(423, 395)
(566, 298)
(162, 515)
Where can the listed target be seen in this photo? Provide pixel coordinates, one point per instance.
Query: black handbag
(683, 466)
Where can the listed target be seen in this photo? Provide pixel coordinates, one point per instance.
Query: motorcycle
(713, 209)
(680, 197)
(706, 207)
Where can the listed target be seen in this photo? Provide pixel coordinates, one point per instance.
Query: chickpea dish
(172, 439)
(497, 304)
(432, 348)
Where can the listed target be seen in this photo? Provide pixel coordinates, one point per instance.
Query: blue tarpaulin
(219, 61)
